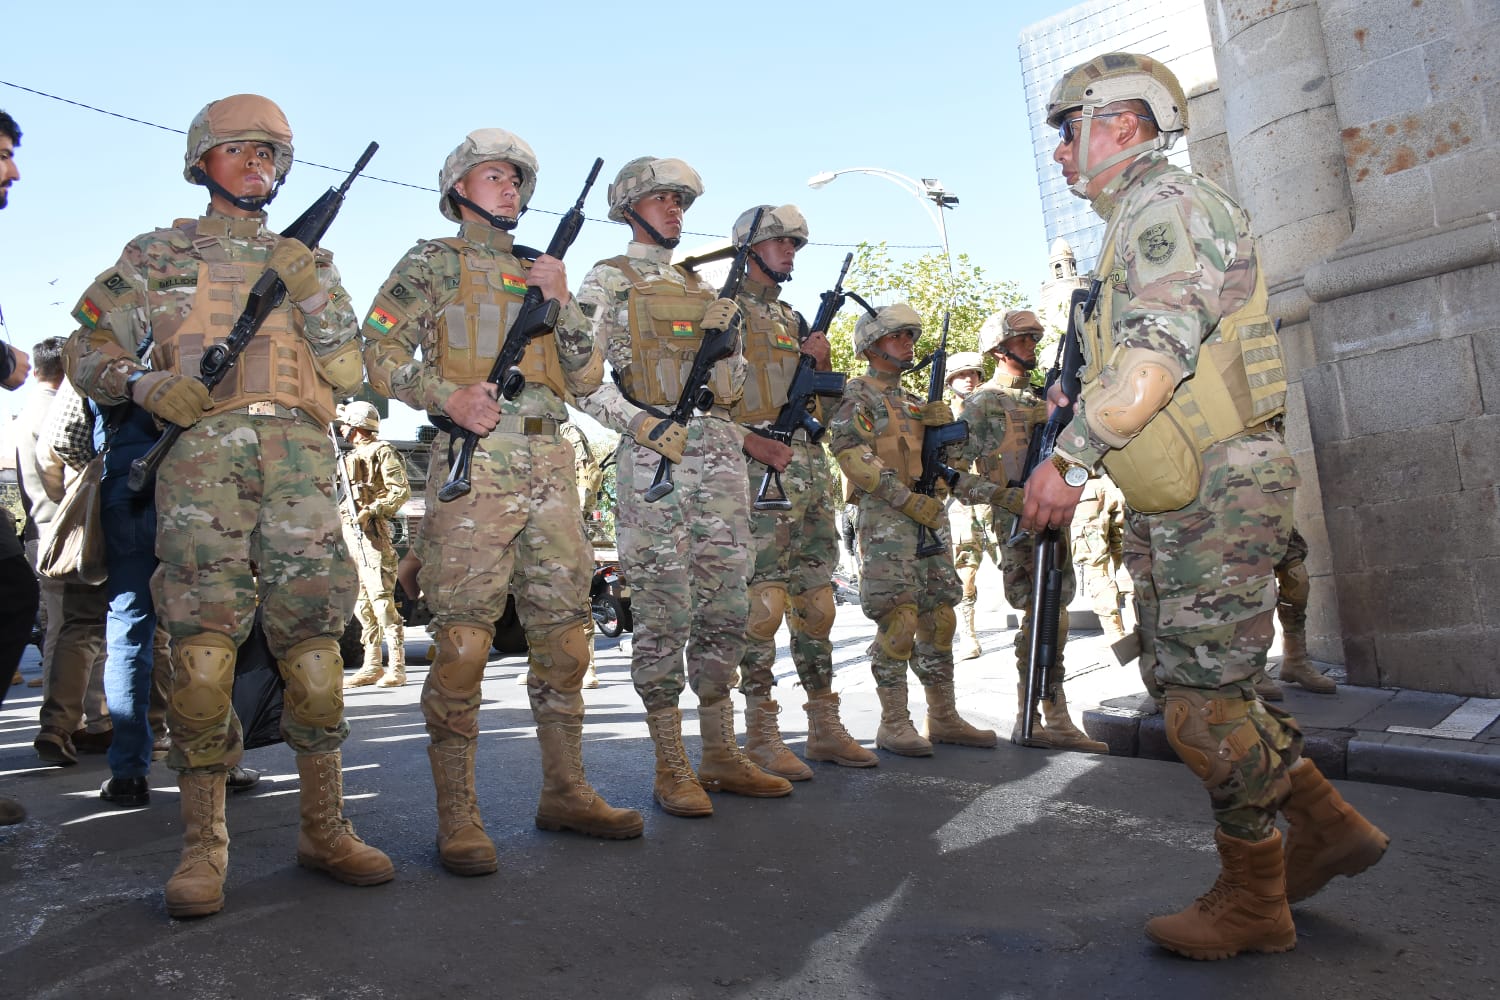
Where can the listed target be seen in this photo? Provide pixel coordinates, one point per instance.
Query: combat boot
(370, 672)
(1113, 625)
(568, 801)
(395, 674)
(1038, 738)
(970, 649)
(463, 846)
(590, 676)
(1267, 689)
(945, 725)
(676, 787)
(895, 733)
(326, 841)
(763, 743)
(1326, 836)
(196, 888)
(1297, 669)
(1244, 911)
(1059, 730)
(827, 739)
(724, 767)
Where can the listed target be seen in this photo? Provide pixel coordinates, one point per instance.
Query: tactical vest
(665, 334)
(277, 366)
(367, 483)
(898, 445)
(771, 353)
(1239, 385)
(1023, 412)
(473, 325)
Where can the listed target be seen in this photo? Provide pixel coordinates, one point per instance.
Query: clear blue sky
(927, 92)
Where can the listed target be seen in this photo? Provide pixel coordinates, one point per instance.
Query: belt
(269, 409)
(507, 424)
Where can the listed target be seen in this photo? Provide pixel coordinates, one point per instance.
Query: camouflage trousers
(795, 554)
(1205, 587)
(518, 531)
(376, 568)
(892, 578)
(687, 559)
(1018, 570)
(245, 517)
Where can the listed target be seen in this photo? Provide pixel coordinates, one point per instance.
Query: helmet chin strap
(256, 204)
(497, 221)
(780, 277)
(1026, 366)
(1086, 173)
(656, 237)
(903, 364)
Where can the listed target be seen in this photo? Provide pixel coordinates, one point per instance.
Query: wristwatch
(1073, 474)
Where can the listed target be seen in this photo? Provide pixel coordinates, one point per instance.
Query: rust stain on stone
(1359, 36)
(1404, 158)
(1411, 125)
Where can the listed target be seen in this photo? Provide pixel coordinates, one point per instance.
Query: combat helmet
(1001, 326)
(775, 223)
(965, 361)
(1119, 76)
(486, 145)
(240, 118)
(887, 319)
(645, 175)
(360, 414)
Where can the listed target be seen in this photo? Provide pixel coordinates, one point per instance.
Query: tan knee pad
(1189, 718)
(767, 606)
(462, 652)
(898, 629)
(314, 671)
(203, 684)
(1293, 585)
(936, 628)
(815, 612)
(562, 650)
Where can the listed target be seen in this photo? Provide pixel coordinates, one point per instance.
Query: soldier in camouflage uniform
(590, 478)
(1002, 416)
(377, 477)
(970, 525)
(686, 555)
(876, 435)
(1292, 591)
(796, 549)
(519, 528)
(246, 485)
(1098, 528)
(1182, 383)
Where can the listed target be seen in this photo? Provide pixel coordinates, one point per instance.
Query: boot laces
(203, 810)
(672, 751)
(454, 763)
(573, 748)
(832, 725)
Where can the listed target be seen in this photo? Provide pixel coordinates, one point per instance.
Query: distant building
(1057, 290)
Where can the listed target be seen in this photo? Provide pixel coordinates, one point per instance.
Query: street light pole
(928, 190)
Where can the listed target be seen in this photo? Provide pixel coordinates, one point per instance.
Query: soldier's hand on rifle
(1049, 501)
(662, 435)
(925, 510)
(1055, 398)
(549, 274)
(475, 407)
(719, 314)
(816, 347)
(768, 451)
(972, 490)
(936, 414)
(298, 270)
(177, 399)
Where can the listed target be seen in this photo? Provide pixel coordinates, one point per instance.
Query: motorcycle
(609, 599)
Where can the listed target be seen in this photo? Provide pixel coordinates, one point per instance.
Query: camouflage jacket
(404, 318)
(1001, 414)
(862, 418)
(378, 478)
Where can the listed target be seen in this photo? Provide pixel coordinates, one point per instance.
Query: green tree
(924, 284)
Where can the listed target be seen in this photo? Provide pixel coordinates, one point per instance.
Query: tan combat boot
(1038, 738)
(970, 649)
(1326, 836)
(1244, 911)
(945, 725)
(1268, 689)
(591, 676)
(196, 888)
(370, 672)
(724, 767)
(763, 743)
(895, 733)
(1059, 730)
(463, 846)
(1297, 669)
(568, 802)
(1113, 626)
(395, 674)
(827, 739)
(326, 841)
(676, 787)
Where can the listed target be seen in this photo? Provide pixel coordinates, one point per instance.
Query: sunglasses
(1065, 130)
(1035, 338)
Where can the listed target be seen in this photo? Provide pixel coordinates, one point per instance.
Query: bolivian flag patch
(380, 321)
(87, 313)
(682, 328)
(785, 341)
(863, 422)
(513, 284)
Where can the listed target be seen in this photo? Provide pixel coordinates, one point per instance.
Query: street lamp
(929, 190)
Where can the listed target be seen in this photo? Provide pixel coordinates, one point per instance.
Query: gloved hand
(719, 314)
(366, 516)
(298, 269)
(662, 435)
(936, 414)
(177, 399)
(925, 510)
(972, 490)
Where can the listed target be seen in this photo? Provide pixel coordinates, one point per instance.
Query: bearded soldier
(970, 524)
(1181, 387)
(876, 435)
(246, 485)
(1002, 416)
(519, 528)
(377, 479)
(796, 550)
(686, 555)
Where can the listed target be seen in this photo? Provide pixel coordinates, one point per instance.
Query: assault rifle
(807, 384)
(1050, 552)
(716, 346)
(341, 480)
(536, 318)
(267, 293)
(935, 442)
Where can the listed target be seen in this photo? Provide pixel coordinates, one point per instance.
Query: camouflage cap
(646, 174)
(1122, 76)
(965, 361)
(1000, 327)
(785, 220)
(486, 145)
(360, 414)
(242, 118)
(887, 320)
